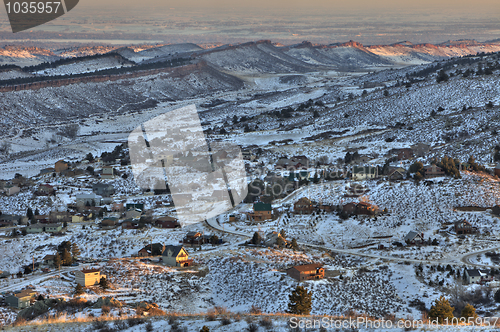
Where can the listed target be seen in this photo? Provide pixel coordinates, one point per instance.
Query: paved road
(31, 279)
(465, 259)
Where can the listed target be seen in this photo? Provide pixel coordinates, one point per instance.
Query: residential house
(364, 173)
(133, 214)
(109, 222)
(176, 256)
(349, 209)
(103, 189)
(107, 172)
(397, 174)
(303, 206)
(154, 249)
(405, 154)
(414, 238)
(272, 239)
(464, 227)
(130, 224)
(13, 219)
(306, 272)
(60, 217)
(193, 239)
(167, 222)
(60, 166)
(433, 171)
(48, 260)
(21, 299)
(134, 206)
(47, 170)
(88, 200)
(118, 207)
(88, 277)
(10, 190)
(366, 208)
(476, 276)
(44, 218)
(262, 211)
(45, 190)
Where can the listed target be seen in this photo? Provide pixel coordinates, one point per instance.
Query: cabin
(153, 249)
(88, 277)
(303, 206)
(464, 227)
(433, 171)
(60, 166)
(261, 212)
(306, 272)
(21, 299)
(414, 238)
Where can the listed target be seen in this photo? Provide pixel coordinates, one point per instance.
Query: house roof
(306, 267)
(49, 257)
(262, 207)
(411, 235)
(85, 271)
(24, 293)
(364, 169)
(174, 249)
(474, 273)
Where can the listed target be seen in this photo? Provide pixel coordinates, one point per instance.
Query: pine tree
(57, 260)
(294, 244)
(29, 213)
(78, 289)
(66, 257)
(75, 251)
(256, 239)
(103, 282)
(468, 311)
(441, 310)
(300, 301)
(205, 329)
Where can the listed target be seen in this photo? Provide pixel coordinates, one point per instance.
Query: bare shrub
(69, 131)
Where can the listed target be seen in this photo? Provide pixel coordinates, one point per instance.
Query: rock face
(107, 301)
(39, 308)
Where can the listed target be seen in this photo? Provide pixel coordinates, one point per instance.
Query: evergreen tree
(205, 329)
(294, 244)
(79, 289)
(29, 213)
(256, 239)
(103, 283)
(66, 257)
(468, 311)
(300, 301)
(37, 213)
(417, 168)
(441, 310)
(75, 251)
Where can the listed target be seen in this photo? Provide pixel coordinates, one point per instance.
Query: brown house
(464, 227)
(303, 206)
(261, 212)
(404, 154)
(60, 166)
(61, 217)
(167, 222)
(44, 190)
(193, 239)
(306, 272)
(433, 171)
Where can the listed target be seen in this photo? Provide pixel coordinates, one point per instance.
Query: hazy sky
(285, 21)
(463, 6)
